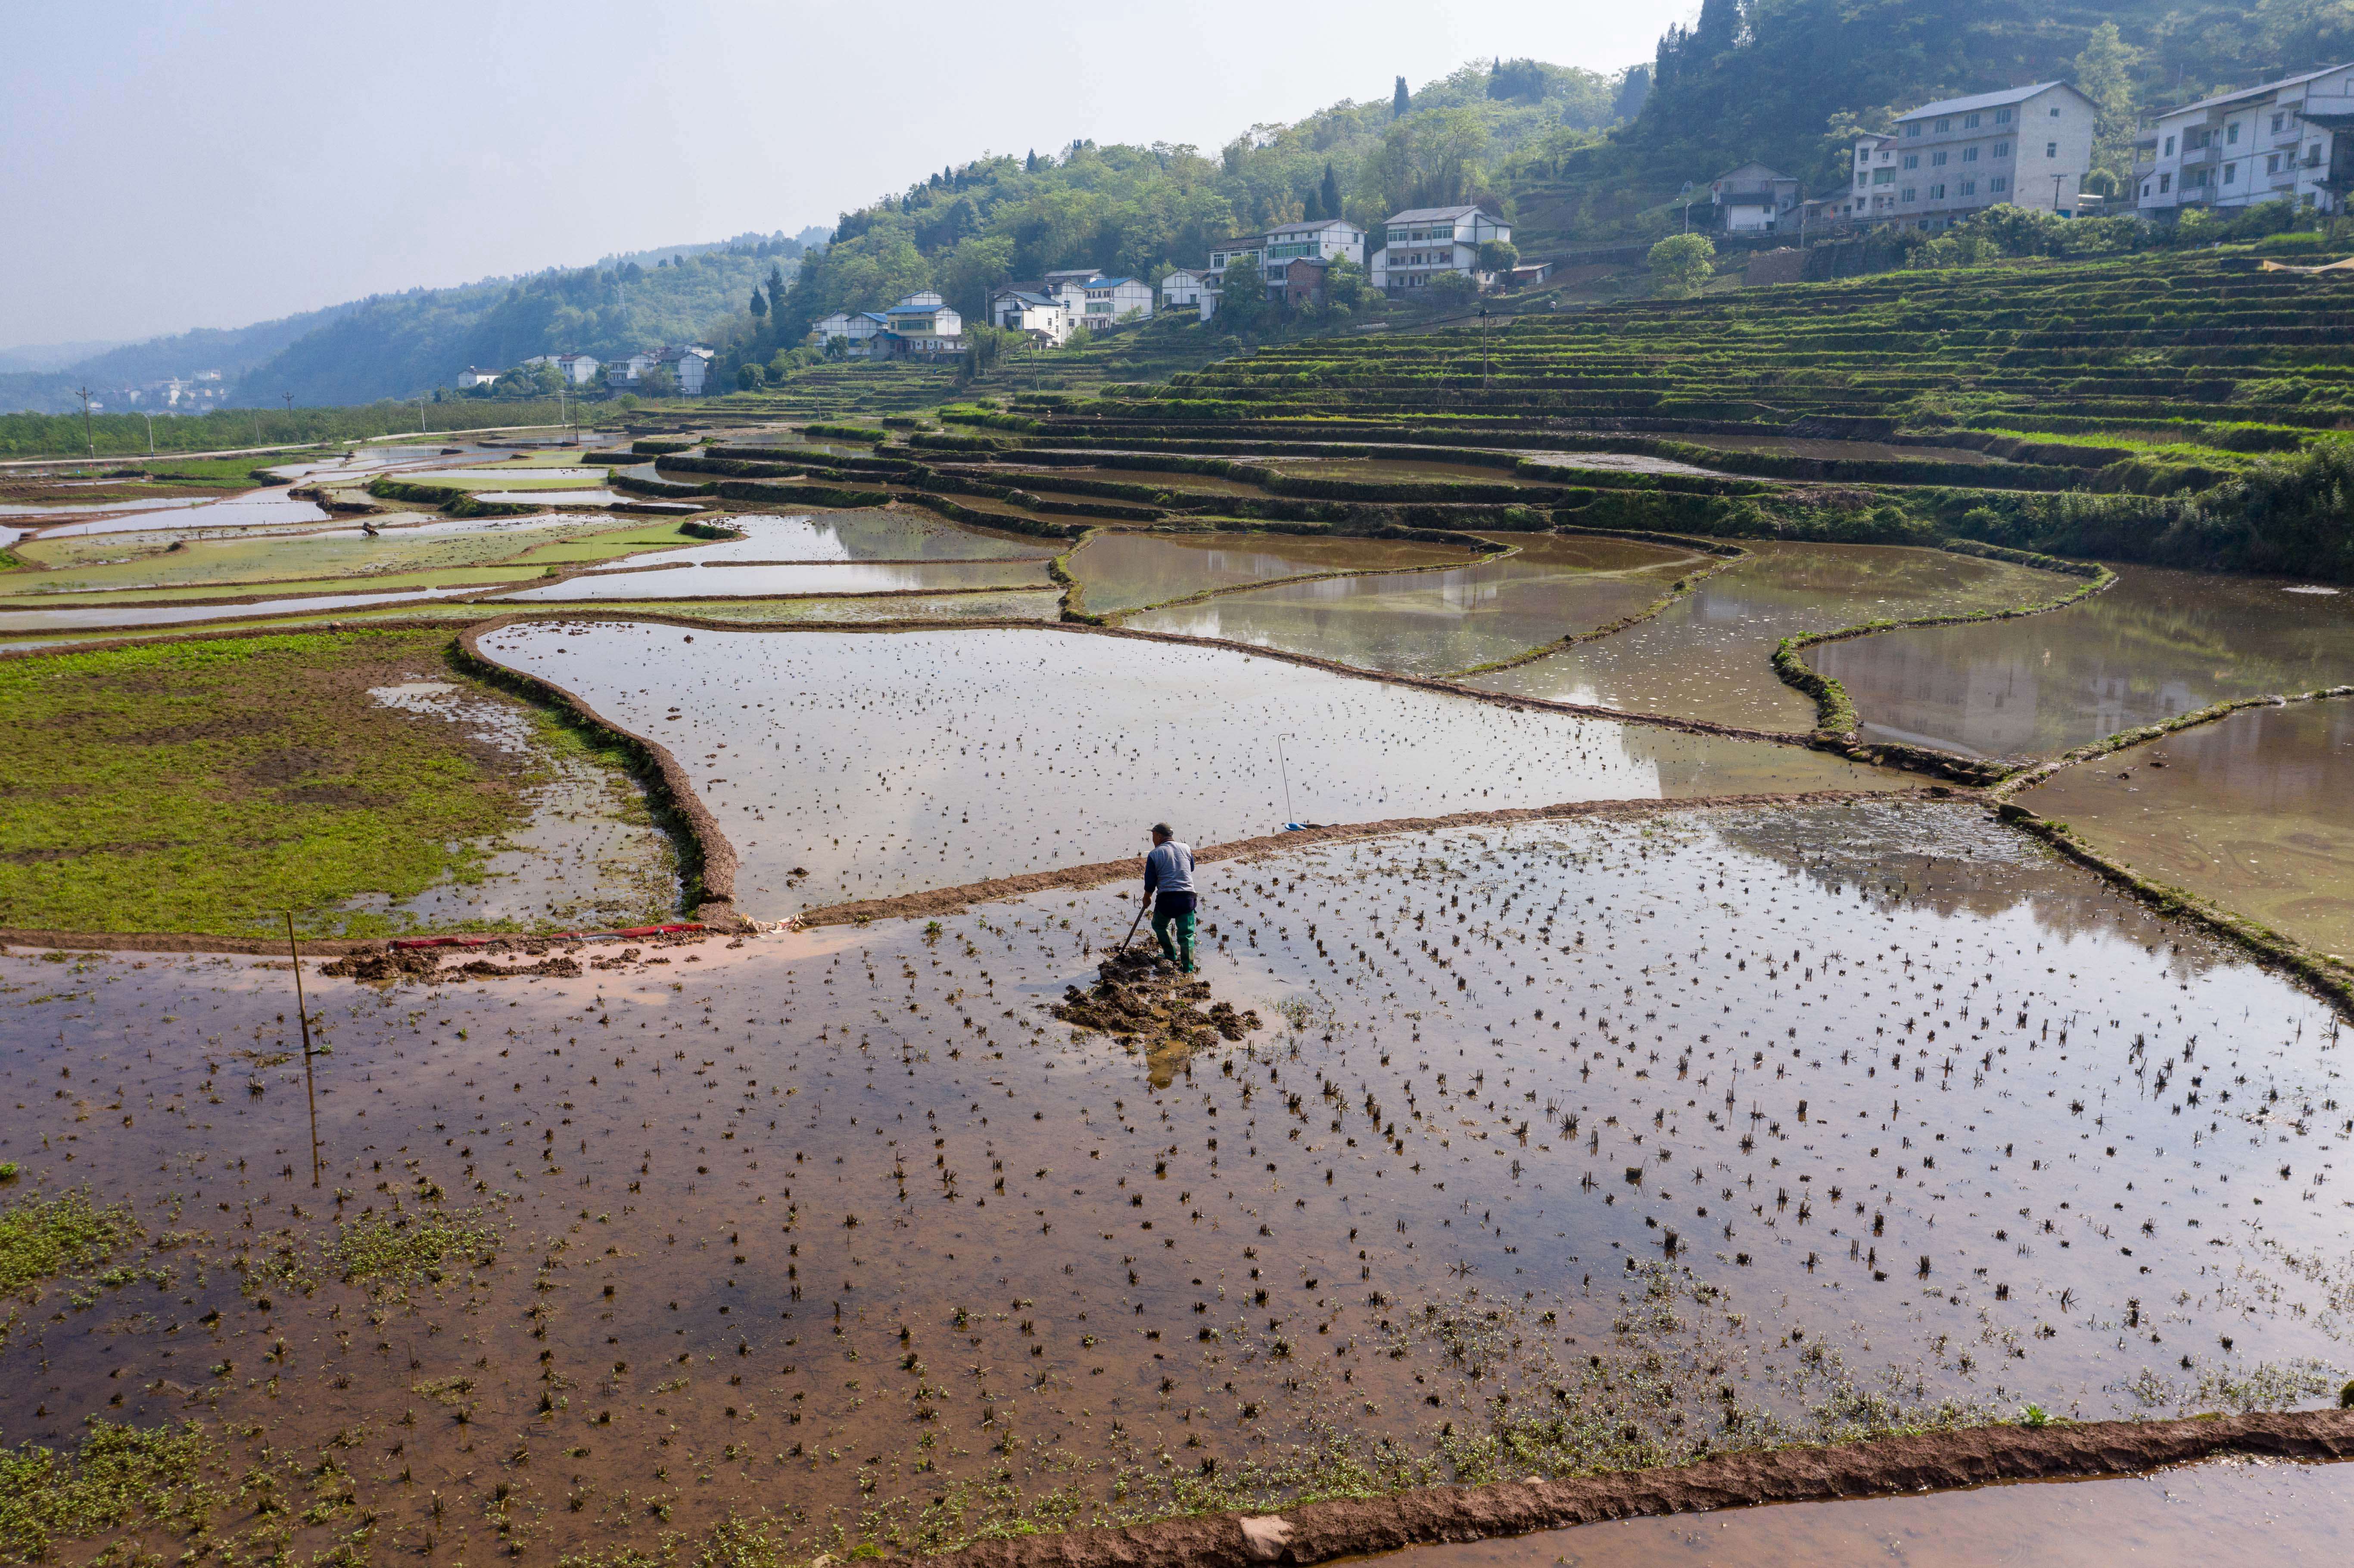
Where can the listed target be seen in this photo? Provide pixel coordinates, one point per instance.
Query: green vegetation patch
(122, 1477)
(205, 786)
(41, 1239)
(401, 1249)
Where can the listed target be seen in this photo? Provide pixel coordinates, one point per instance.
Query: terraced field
(1699, 708)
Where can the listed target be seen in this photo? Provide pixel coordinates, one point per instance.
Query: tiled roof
(1982, 101)
(2256, 91)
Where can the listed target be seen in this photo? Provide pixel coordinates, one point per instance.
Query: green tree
(1344, 284)
(1328, 192)
(1681, 264)
(760, 306)
(748, 378)
(1243, 303)
(1450, 290)
(1498, 256)
(1401, 101)
(2105, 74)
(1431, 159)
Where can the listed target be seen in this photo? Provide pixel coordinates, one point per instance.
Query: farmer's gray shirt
(1168, 868)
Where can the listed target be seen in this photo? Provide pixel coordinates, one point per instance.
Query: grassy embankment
(205, 786)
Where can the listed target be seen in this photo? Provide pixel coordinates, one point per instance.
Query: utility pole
(421, 413)
(88, 438)
(1483, 348)
(2055, 194)
(151, 432)
(1688, 201)
(301, 1012)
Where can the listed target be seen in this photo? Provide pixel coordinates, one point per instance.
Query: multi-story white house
(1422, 242)
(922, 324)
(2024, 146)
(1027, 307)
(2291, 139)
(579, 369)
(1273, 252)
(1098, 303)
(690, 364)
(471, 378)
(1185, 287)
(1753, 199)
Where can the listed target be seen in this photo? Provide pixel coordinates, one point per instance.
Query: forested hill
(398, 344)
(1139, 210)
(1790, 81)
(1571, 156)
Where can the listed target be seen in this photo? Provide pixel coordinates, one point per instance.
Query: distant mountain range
(408, 344)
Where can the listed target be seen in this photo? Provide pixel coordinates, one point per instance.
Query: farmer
(1169, 883)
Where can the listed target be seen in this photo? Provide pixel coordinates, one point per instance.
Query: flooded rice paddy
(1710, 656)
(879, 534)
(2255, 810)
(2297, 1515)
(689, 580)
(1122, 570)
(1434, 622)
(863, 766)
(1784, 1124)
(2157, 644)
(103, 614)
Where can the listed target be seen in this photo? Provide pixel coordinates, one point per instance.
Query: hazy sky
(202, 163)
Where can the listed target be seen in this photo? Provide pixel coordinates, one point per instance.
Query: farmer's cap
(1164, 830)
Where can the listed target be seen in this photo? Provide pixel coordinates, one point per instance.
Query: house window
(1969, 187)
(2055, 111)
(1911, 160)
(1944, 126)
(2272, 162)
(1861, 178)
(2231, 174)
(2278, 121)
(2002, 116)
(1907, 195)
(2000, 183)
(2002, 149)
(2169, 146)
(2232, 131)
(2313, 156)
(2051, 149)
(1883, 177)
(1970, 155)
(1969, 121)
(1937, 192)
(2145, 190)
(1938, 159)
(1913, 129)
(2165, 182)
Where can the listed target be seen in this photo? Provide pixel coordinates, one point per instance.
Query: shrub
(1679, 264)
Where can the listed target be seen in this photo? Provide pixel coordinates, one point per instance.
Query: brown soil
(1142, 1000)
(1976, 1457)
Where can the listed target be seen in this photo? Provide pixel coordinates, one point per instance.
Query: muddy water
(2298, 1516)
(1124, 571)
(2157, 644)
(159, 503)
(252, 509)
(1429, 623)
(586, 856)
(1811, 447)
(599, 497)
(883, 534)
(1619, 462)
(1404, 468)
(814, 577)
(2255, 811)
(1162, 479)
(1711, 655)
(174, 615)
(782, 1160)
(1015, 604)
(879, 765)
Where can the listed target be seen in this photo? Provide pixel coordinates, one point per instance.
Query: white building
(579, 369)
(1029, 309)
(2291, 139)
(470, 377)
(2025, 146)
(1422, 242)
(690, 365)
(1098, 303)
(1753, 199)
(857, 331)
(924, 323)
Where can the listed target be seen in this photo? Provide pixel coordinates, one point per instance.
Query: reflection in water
(2156, 644)
(816, 577)
(875, 533)
(1428, 623)
(2255, 811)
(2295, 1516)
(1710, 656)
(170, 615)
(885, 764)
(1121, 571)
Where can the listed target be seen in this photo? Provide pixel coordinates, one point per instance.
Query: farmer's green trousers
(1178, 951)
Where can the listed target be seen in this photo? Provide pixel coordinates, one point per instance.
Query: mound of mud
(1143, 1002)
(416, 966)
